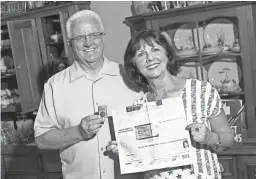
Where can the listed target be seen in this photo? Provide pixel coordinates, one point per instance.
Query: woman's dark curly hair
(147, 36)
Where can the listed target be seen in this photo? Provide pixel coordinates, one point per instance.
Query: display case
(53, 44)
(208, 48)
(10, 100)
(215, 42)
(33, 48)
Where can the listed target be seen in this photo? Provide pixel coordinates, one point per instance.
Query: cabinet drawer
(20, 163)
(230, 167)
(51, 161)
(52, 167)
(54, 175)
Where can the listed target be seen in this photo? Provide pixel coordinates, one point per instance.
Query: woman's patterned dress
(201, 101)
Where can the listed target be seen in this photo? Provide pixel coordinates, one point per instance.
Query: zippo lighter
(103, 111)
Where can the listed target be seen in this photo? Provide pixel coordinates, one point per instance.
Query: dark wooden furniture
(35, 58)
(33, 51)
(240, 161)
(29, 162)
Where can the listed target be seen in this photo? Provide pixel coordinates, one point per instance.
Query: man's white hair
(83, 15)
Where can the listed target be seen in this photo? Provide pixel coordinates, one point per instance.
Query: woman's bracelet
(217, 145)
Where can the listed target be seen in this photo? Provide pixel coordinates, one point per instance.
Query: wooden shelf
(55, 20)
(240, 150)
(4, 31)
(224, 94)
(54, 43)
(11, 108)
(46, 10)
(182, 60)
(19, 145)
(208, 56)
(231, 53)
(7, 75)
(6, 48)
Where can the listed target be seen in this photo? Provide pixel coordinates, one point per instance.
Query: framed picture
(234, 110)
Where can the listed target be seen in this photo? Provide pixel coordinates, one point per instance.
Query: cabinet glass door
(10, 98)
(54, 43)
(209, 49)
(27, 62)
(184, 37)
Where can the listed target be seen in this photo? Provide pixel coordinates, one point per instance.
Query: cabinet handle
(18, 67)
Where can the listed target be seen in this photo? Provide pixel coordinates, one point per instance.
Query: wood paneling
(229, 165)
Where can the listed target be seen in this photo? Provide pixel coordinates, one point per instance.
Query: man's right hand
(89, 126)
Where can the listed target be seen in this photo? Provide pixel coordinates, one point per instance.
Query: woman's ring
(89, 129)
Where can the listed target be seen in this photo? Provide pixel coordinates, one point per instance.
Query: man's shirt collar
(109, 68)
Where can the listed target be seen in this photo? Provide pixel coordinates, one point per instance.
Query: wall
(117, 36)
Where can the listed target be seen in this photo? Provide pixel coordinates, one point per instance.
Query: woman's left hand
(112, 147)
(199, 132)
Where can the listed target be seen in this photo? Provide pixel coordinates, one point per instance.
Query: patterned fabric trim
(210, 100)
(214, 167)
(203, 104)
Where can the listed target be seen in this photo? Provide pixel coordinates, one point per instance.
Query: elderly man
(67, 119)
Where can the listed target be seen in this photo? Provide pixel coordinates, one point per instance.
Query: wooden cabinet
(229, 164)
(216, 42)
(27, 40)
(54, 176)
(239, 16)
(19, 162)
(30, 163)
(33, 56)
(247, 167)
(27, 62)
(51, 161)
(51, 164)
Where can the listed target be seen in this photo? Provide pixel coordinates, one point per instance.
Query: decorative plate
(186, 37)
(192, 70)
(225, 75)
(211, 50)
(220, 31)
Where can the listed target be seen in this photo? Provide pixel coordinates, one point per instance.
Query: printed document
(152, 136)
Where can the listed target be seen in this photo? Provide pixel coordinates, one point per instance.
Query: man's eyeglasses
(92, 36)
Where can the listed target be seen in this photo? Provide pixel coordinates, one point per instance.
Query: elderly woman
(151, 63)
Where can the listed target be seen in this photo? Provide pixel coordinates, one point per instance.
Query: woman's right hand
(112, 147)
